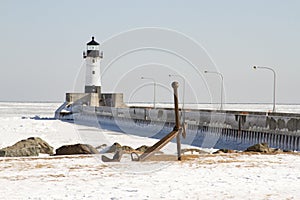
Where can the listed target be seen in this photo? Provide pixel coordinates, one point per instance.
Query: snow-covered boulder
(117, 147)
(262, 147)
(76, 149)
(220, 151)
(114, 148)
(29, 147)
(22, 152)
(142, 148)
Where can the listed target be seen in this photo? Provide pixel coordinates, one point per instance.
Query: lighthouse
(92, 58)
(92, 96)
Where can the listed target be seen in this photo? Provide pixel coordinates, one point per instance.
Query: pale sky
(42, 44)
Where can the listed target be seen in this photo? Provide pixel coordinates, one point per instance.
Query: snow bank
(230, 176)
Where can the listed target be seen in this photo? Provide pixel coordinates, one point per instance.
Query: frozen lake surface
(232, 176)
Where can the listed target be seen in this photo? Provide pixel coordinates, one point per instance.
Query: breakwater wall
(205, 128)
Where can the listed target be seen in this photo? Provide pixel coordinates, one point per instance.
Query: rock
(262, 147)
(76, 149)
(102, 146)
(26, 151)
(116, 146)
(128, 149)
(192, 150)
(44, 146)
(142, 148)
(287, 151)
(224, 151)
(276, 150)
(29, 147)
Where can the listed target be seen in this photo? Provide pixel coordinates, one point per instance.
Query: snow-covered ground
(232, 176)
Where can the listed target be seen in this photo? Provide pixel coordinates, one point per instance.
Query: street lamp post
(274, 83)
(222, 82)
(154, 89)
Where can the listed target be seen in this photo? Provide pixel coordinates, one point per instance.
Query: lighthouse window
(93, 72)
(93, 60)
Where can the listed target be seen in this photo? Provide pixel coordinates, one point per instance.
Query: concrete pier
(218, 129)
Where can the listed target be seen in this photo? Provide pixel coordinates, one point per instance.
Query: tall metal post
(222, 83)
(154, 89)
(274, 83)
(175, 86)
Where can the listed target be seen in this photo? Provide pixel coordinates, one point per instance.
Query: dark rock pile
(102, 146)
(193, 150)
(220, 151)
(257, 148)
(32, 146)
(114, 148)
(126, 149)
(261, 147)
(142, 148)
(76, 149)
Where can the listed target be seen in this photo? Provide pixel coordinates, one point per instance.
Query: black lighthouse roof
(93, 42)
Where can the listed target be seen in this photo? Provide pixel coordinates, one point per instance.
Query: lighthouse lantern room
(92, 61)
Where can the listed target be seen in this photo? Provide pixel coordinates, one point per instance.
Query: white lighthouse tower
(92, 60)
(92, 95)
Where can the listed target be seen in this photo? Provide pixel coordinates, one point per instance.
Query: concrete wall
(89, 99)
(93, 99)
(284, 123)
(112, 100)
(254, 121)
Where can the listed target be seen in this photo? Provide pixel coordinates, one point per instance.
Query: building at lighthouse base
(94, 99)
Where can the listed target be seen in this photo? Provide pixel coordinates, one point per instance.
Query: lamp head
(254, 67)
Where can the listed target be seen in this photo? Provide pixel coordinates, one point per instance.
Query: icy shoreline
(214, 176)
(228, 176)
